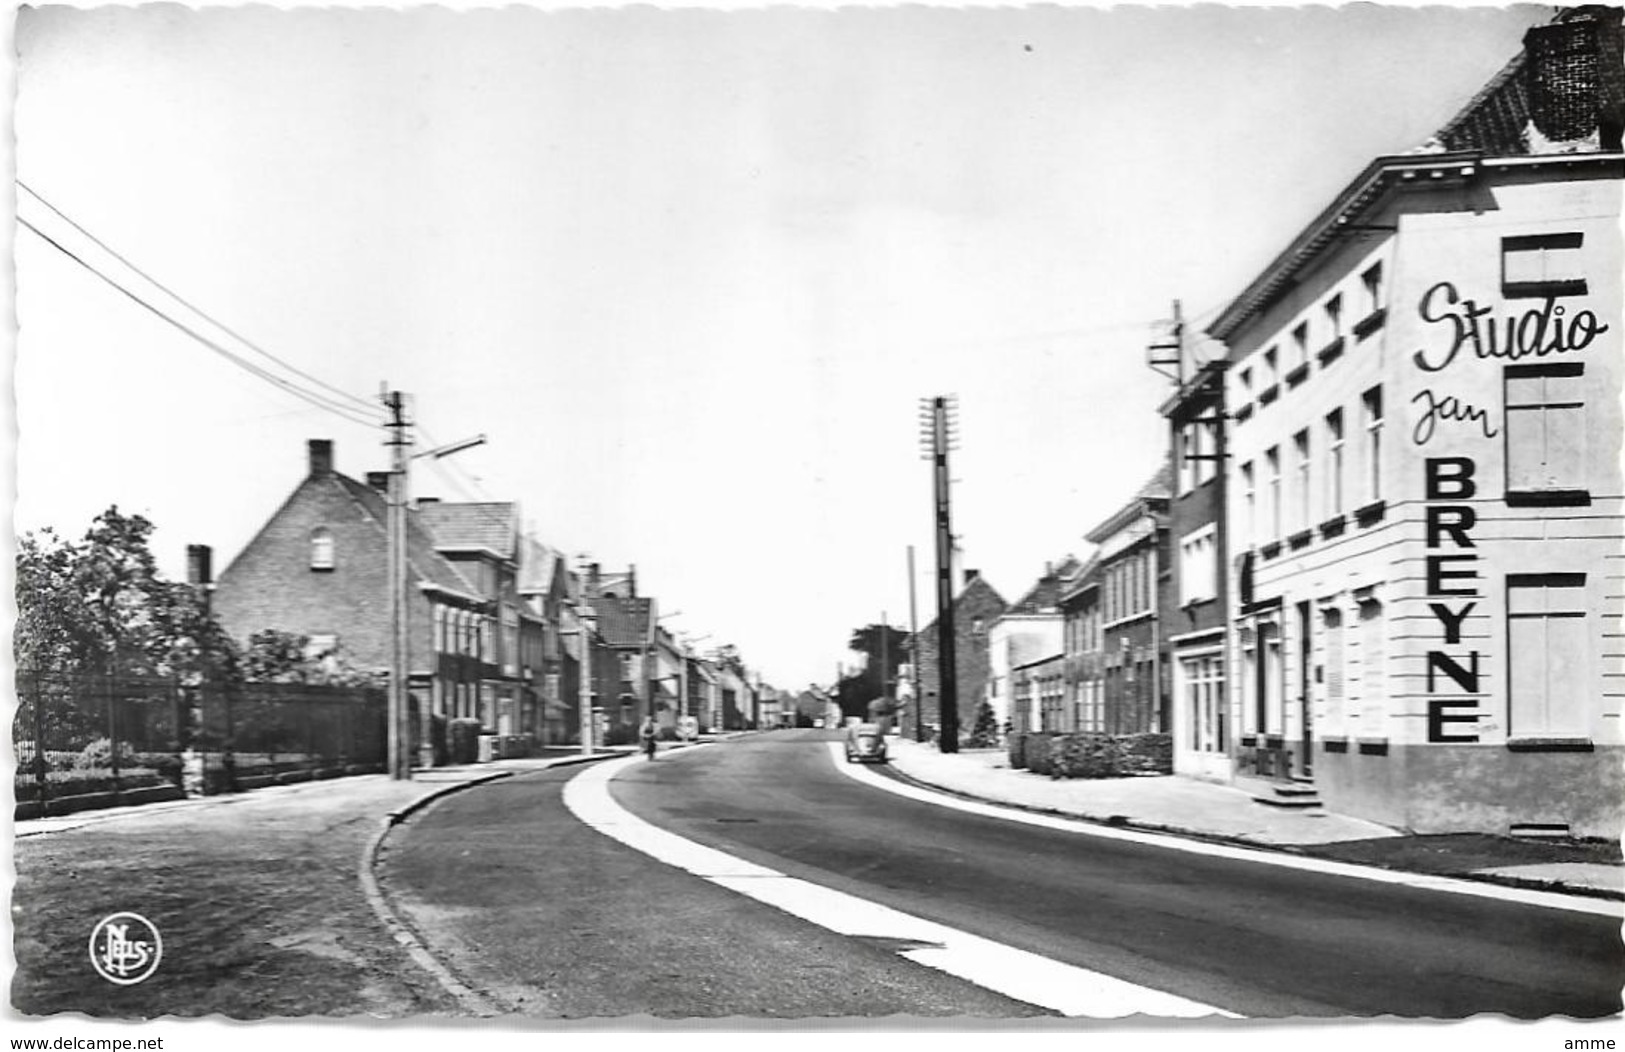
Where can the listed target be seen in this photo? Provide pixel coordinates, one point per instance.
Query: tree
(99, 606)
(858, 692)
(275, 656)
(985, 732)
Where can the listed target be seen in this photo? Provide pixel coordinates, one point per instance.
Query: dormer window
(321, 548)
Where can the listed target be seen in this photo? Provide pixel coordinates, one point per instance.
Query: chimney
(378, 480)
(1575, 84)
(199, 564)
(971, 575)
(321, 456)
(592, 580)
(632, 580)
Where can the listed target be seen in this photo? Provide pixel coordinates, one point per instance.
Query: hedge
(1090, 755)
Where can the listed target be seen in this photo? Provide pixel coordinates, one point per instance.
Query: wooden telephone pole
(939, 415)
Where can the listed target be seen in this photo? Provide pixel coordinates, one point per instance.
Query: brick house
(482, 541)
(975, 608)
(553, 669)
(1134, 590)
(1196, 620)
(318, 567)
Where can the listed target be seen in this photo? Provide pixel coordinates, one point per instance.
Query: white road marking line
(994, 966)
(1526, 896)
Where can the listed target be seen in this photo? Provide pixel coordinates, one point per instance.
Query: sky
(689, 270)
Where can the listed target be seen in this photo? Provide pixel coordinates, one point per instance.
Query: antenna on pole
(1167, 356)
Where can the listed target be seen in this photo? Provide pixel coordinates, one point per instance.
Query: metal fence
(80, 735)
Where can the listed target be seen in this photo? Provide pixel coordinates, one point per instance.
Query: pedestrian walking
(646, 736)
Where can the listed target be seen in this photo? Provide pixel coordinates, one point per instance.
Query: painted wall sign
(1452, 576)
(1535, 333)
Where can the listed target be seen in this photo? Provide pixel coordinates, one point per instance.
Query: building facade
(1426, 499)
(1029, 629)
(1134, 592)
(976, 606)
(1195, 621)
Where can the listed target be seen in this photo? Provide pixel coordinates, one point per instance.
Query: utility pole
(885, 695)
(584, 631)
(942, 425)
(914, 650)
(400, 724)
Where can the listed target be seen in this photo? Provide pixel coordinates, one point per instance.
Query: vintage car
(865, 743)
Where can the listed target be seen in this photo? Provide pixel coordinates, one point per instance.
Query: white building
(1425, 496)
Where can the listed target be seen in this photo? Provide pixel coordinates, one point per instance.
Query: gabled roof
(538, 564)
(978, 586)
(622, 622)
(1158, 488)
(490, 526)
(424, 562)
(1045, 595)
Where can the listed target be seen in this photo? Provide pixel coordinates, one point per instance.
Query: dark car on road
(865, 744)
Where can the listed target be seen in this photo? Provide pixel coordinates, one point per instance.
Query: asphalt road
(554, 919)
(1254, 939)
(551, 919)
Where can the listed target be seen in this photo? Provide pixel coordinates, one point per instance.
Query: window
(321, 548)
(1249, 499)
(1334, 463)
(1246, 377)
(1198, 554)
(1197, 450)
(1542, 265)
(1548, 658)
(1371, 401)
(1545, 429)
(1272, 463)
(1300, 449)
(1372, 687)
(1371, 281)
(1204, 701)
(1332, 618)
(1334, 318)
(1300, 344)
(1272, 366)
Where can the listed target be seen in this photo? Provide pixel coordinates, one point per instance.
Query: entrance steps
(1298, 794)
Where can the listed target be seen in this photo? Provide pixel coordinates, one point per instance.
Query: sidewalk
(259, 896)
(374, 791)
(1189, 807)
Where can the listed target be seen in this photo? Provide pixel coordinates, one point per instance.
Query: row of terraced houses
(502, 629)
(1381, 565)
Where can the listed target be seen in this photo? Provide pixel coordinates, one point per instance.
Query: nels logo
(125, 948)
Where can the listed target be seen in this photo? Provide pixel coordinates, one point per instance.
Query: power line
(194, 308)
(313, 398)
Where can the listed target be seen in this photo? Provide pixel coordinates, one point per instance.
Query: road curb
(1124, 822)
(471, 1001)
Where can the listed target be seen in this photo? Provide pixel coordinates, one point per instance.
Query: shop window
(1546, 433)
(1204, 702)
(1548, 657)
(321, 548)
(1542, 265)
